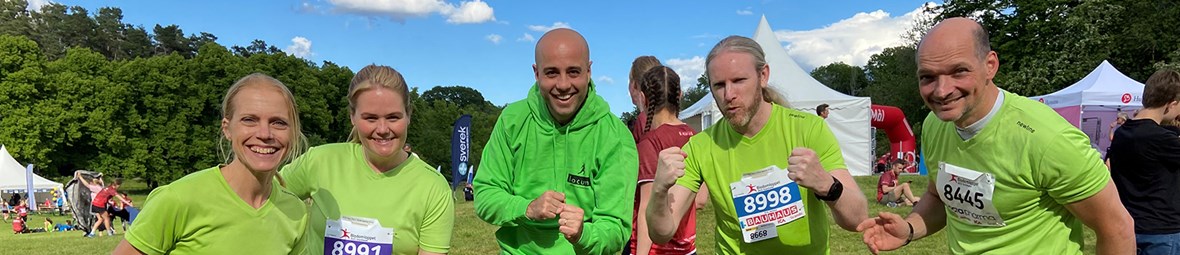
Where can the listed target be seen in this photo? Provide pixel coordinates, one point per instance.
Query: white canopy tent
(1105, 86)
(1093, 102)
(848, 115)
(13, 178)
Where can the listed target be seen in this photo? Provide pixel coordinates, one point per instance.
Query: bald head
(561, 39)
(959, 28)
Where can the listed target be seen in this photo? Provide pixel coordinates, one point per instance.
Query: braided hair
(661, 87)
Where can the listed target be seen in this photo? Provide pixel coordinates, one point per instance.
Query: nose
(264, 133)
(942, 87)
(728, 94)
(564, 83)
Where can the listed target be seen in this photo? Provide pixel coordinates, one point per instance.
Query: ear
(225, 128)
(536, 73)
(993, 64)
(765, 75)
(589, 65)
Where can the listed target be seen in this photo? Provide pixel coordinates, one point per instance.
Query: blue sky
(488, 45)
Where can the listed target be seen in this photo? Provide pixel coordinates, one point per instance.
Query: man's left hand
(804, 168)
(570, 222)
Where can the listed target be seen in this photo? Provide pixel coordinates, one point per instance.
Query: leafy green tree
(459, 95)
(847, 79)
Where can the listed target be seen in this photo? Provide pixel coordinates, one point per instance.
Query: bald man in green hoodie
(558, 173)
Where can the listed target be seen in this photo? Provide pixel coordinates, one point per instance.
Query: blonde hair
(375, 76)
(742, 44)
(298, 143)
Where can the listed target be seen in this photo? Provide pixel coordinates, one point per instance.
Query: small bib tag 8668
(764, 200)
(357, 236)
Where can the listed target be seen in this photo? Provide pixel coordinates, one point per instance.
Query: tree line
(82, 91)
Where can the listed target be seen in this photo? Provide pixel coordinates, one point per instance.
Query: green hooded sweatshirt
(592, 160)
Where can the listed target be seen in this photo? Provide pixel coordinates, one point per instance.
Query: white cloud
(526, 38)
(300, 47)
(470, 13)
(605, 79)
(35, 5)
(543, 28)
(494, 38)
(466, 12)
(852, 40)
(689, 69)
(745, 12)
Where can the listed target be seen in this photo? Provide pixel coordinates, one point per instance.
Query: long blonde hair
(375, 76)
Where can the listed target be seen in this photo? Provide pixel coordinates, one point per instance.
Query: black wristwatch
(833, 192)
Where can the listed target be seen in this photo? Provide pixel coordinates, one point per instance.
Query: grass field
(473, 236)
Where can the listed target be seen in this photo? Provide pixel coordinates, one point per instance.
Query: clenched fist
(570, 223)
(804, 168)
(547, 206)
(669, 168)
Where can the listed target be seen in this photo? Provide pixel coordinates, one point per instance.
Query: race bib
(764, 200)
(968, 194)
(357, 236)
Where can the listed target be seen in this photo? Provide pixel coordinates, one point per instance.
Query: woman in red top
(661, 89)
(99, 207)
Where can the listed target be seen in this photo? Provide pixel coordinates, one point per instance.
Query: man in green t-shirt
(1009, 175)
(760, 208)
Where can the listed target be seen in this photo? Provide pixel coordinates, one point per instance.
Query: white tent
(848, 115)
(1105, 86)
(13, 178)
(1092, 103)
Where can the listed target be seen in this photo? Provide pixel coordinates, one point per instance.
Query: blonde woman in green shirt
(370, 196)
(236, 208)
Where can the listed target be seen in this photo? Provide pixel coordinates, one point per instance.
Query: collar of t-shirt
(973, 129)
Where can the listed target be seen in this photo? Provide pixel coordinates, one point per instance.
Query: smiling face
(737, 86)
(381, 122)
(562, 70)
(259, 127)
(954, 78)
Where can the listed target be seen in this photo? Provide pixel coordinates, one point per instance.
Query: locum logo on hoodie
(580, 180)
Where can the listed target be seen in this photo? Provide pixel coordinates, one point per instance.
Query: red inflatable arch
(901, 138)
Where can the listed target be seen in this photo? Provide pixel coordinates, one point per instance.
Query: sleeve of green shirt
(295, 174)
(692, 169)
(435, 233)
(826, 147)
(493, 203)
(159, 224)
(1067, 167)
(609, 225)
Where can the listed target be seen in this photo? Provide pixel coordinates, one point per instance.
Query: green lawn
(473, 236)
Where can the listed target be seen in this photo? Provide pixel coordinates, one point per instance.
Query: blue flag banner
(460, 149)
(29, 189)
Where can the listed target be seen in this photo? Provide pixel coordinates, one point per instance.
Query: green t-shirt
(200, 214)
(1040, 163)
(412, 199)
(719, 156)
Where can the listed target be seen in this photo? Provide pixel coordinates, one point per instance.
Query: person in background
(661, 89)
(890, 191)
(822, 110)
(1145, 165)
